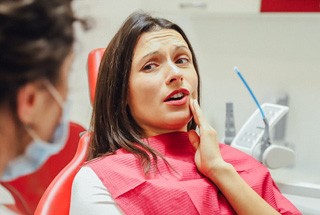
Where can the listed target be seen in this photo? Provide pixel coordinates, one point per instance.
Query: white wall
(276, 53)
(106, 17)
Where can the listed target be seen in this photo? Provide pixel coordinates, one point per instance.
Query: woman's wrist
(219, 171)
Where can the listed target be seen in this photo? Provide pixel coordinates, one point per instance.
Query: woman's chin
(178, 124)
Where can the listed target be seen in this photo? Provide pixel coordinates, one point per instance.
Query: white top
(90, 196)
(6, 199)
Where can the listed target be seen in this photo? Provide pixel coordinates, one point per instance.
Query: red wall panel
(290, 5)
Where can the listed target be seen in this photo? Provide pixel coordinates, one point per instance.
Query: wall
(276, 53)
(105, 16)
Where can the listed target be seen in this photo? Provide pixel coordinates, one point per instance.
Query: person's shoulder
(120, 158)
(85, 173)
(103, 158)
(90, 196)
(97, 160)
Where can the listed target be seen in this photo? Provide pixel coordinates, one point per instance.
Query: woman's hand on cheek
(207, 157)
(211, 164)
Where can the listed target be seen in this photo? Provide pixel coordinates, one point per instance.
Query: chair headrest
(94, 59)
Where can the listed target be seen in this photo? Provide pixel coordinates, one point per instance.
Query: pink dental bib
(180, 189)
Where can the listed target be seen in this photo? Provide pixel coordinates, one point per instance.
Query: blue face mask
(39, 151)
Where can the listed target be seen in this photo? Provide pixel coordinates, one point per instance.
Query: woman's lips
(177, 97)
(178, 102)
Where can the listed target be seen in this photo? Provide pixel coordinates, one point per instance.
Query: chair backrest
(27, 190)
(94, 59)
(56, 199)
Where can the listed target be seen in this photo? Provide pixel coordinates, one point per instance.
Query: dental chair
(27, 190)
(94, 60)
(56, 199)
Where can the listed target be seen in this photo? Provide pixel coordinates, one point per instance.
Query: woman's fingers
(207, 148)
(198, 115)
(207, 133)
(193, 111)
(194, 138)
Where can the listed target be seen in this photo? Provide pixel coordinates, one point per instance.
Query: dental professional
(36, 40)
(146, 157)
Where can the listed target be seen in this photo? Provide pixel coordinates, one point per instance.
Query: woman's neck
(172, 144)
(155, 132)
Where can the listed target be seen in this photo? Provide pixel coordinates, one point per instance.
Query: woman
(146, 159)
(36, 53)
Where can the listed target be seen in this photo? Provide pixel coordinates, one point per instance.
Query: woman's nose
(175, 74)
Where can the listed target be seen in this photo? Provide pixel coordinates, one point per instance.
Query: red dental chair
(56, 199)
(94, 60)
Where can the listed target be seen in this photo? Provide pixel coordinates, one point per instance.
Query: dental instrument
(254, 137)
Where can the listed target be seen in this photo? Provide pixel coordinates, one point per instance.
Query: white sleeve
(90, 196)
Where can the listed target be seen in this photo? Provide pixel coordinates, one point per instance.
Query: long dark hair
(112, 125)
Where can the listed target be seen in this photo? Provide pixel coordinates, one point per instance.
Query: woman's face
(162, 81)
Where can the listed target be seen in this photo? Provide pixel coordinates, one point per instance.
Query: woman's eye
(182, 60)
(149, 67)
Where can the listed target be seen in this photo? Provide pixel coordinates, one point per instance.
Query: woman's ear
(28, 102)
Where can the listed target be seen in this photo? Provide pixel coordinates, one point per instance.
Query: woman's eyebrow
(148, 55)
(182, 47)
(157, 52)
